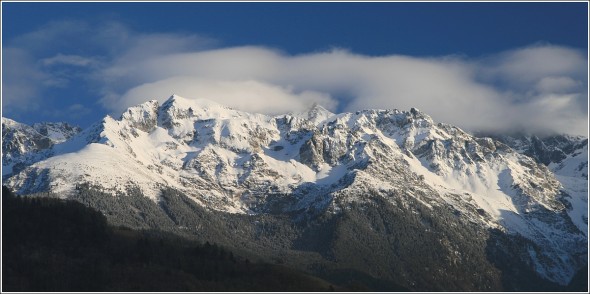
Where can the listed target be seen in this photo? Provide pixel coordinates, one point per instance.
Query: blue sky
(477, 65)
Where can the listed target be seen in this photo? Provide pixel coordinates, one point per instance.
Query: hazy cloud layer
(74, 60)
(537, 88)
(21, 81)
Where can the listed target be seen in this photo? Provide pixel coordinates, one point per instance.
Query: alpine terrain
(387, 198)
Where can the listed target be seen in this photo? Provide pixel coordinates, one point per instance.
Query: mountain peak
(8, 121)
(175, 98)
(317, 108)
(419, 114)
(315, 113)
(143, 116)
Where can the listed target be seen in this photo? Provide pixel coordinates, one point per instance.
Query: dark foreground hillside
(56, 245)
(177, 245)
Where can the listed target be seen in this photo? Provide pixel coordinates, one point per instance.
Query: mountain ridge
(303, 164)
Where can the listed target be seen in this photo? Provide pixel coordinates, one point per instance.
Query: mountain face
(23, 144)
(56, 132)
(388, 175)
(567, 157)
(564, 154)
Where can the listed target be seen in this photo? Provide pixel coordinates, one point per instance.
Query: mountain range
(388, 195)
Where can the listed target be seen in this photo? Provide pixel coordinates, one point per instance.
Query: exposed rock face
(57, 132)
(143, 117)
(23, 144)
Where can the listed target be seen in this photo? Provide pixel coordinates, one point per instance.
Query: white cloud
(247, 95)
(495, 93)
(523, 66)
(540, 87)
(558, 85)
(544, 85)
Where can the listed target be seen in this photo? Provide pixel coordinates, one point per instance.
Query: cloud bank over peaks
(498, 93)
(538, 88)
(246, 95)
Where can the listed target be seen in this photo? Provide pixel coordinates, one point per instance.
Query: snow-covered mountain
(56, 132)
(304, 164)
(567, 157)
(23, 144)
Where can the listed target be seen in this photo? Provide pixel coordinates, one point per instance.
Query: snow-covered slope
(56, 132)
(567, 157)
(306, 163)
